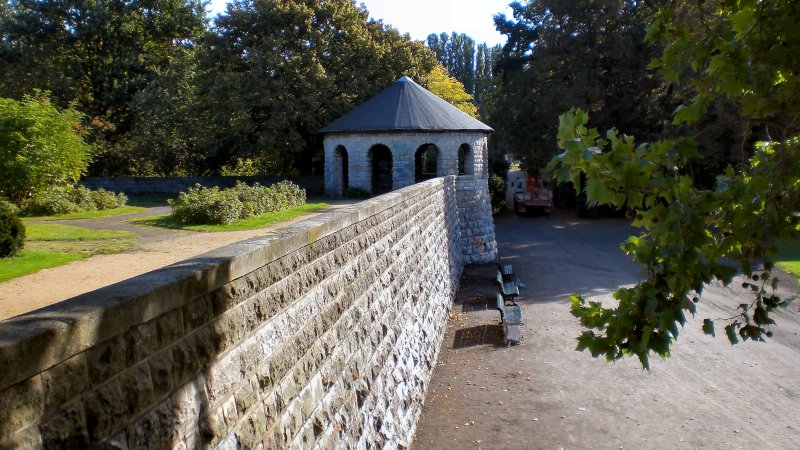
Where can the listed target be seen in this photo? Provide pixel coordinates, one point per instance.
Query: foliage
(472, 66)
(498, 173)
(564, 53)
(273, 73)
(163, 139)
(12, 232)
(201, 205)
(40, 146)
(745, 53)
(251, 223)
(497, 192)
(449, 89)
(97, 53)
(68, 199)
(456, 52)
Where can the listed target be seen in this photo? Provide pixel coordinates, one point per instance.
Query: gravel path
(156, 248)
(543, 394)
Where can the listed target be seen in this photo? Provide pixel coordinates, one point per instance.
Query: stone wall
(314, 185)
(477, 224)
(403, 147)
(321, 334)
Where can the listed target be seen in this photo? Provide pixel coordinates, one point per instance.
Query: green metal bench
(505, 269)
(511, 315)
(507, 287)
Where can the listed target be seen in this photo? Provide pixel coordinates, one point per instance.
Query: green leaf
(708, 327)
(597, 192)
(730, 331)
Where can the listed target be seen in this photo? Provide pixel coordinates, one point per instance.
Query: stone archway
(380, 157)
(466, 160)
(341, 167)
(426, 162)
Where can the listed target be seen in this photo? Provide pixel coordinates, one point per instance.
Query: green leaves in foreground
(689, 237)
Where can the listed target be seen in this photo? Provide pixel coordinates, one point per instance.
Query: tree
(457, 54)
(448, 88)
(40, 146)
(745, 53)
(98, 53)
(164, 139)
(274, 72)
(564, 53)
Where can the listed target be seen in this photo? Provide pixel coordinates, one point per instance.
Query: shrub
(40, 146)
(69, 199)
(201, 205)
(104, 199)
(12, 207)
(12, 231)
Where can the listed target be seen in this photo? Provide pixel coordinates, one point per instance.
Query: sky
(419, 18)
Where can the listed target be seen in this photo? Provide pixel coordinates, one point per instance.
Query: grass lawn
(51, 244)
(789, 257)
(91, 214)
(30, 261)
(248, 224)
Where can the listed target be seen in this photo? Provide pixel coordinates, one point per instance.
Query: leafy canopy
(564, 53)
(745, 53)
(40, 146)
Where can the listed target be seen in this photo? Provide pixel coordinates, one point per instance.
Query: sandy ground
(156, 248)
(544, 394)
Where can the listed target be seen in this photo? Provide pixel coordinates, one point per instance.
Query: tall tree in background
(274, 72)
(486, 81)
(456, 53)
(163, 95)
(99, 53)
(565, 53)
(472, 66)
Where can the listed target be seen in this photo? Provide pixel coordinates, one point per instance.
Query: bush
(40, 146)
(201, 205)
(12, 231)
(69, 199)
(104, 199)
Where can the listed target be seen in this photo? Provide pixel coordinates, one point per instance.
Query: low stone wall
(321, 334)
(314, 185)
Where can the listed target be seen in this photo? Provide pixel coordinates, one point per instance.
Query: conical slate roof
(405, 106)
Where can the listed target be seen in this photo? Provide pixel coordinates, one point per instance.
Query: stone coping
(35, 341)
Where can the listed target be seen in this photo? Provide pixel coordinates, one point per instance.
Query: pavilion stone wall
(322, 334)
(474, 203)
(403, 147)
(478, 244)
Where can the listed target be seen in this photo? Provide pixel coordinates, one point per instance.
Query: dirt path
(156, 248)
(543, 394)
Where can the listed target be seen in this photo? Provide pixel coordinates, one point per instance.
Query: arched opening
(381, 160)
(341, 165)
(425, 162)
(465, 160)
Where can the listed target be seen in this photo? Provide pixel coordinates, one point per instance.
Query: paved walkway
(543, 394)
